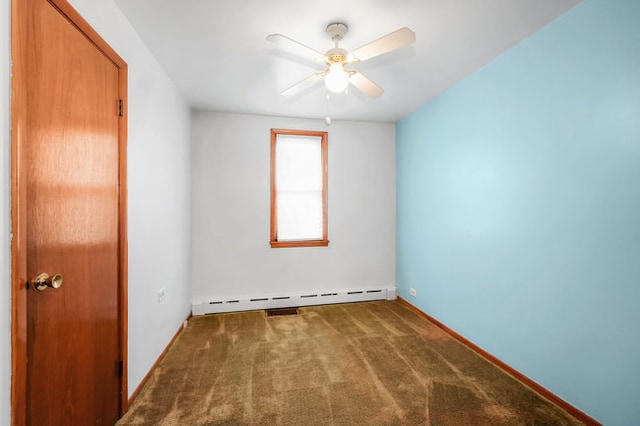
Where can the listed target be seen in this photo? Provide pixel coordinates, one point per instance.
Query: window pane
(299, 215)
(299, 188)
(299, 163)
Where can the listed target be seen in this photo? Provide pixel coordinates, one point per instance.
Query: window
(298, 188)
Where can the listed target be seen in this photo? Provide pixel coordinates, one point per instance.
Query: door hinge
(120, 108)
(120, 368)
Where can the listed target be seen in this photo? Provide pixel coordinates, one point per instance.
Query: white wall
(231, 255)
(5, 208)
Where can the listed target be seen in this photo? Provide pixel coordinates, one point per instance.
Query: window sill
(289, 244)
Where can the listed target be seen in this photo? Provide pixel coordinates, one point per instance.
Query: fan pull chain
(327, 119)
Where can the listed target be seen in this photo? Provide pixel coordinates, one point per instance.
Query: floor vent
(281, 311)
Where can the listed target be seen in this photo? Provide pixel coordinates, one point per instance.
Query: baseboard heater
(235, 304)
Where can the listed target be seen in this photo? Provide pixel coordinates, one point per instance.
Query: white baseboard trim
(323, 297)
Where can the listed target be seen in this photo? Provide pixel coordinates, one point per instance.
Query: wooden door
(69, 174)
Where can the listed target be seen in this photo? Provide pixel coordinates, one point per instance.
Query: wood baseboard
(573, 411)
(155, 364)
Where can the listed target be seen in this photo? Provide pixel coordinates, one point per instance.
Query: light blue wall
(519, 208)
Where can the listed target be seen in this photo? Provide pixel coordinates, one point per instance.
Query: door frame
(19, 115)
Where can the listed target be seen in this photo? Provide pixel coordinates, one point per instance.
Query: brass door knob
(44, 281)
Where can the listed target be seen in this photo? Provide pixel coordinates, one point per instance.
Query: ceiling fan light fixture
(337, 79)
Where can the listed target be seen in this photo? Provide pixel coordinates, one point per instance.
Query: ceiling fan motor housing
(336, 55)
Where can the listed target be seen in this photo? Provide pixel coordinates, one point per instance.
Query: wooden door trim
(19, 114)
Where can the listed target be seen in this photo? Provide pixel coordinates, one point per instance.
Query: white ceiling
(216, 53)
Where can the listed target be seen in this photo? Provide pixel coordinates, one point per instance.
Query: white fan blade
(395, 40)
(301, 85)
(365, 85)
(296, 48)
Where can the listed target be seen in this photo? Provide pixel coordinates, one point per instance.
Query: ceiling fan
(336, 76)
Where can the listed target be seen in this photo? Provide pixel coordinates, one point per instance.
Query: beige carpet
(374, 363)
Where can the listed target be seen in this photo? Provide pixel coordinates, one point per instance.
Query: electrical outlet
(161, 294)
(412, 291)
